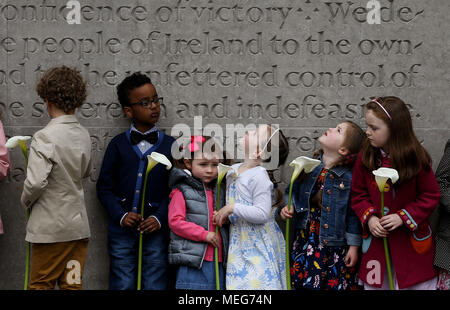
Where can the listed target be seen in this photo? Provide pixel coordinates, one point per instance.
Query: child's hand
(148, 226)
(221, 217)
(131, 219)
(391, 222)
(352, 256)
(376, 228)
(214, 219)
(285, 214)
(213, 239)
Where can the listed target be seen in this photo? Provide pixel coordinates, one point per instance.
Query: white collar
(151, 130)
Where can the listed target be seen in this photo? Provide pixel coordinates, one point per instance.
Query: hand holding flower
(213, 239)
(149, 225)
(13, 142)
(391, 222)
(382, 175)
(222, 171)
(300, 164)
(131, 219)
(221, 216)
(376, 229)
(286, 213)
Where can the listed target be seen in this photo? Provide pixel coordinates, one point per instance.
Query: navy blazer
(121, 178)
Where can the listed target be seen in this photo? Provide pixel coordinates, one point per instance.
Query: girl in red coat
(391, 142)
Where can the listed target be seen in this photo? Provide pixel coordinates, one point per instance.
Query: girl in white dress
(256, 259)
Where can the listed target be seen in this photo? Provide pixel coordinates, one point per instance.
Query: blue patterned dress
(256, 258)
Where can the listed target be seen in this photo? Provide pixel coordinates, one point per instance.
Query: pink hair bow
(194, 145)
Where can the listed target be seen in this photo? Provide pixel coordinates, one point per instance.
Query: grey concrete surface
(305, 65)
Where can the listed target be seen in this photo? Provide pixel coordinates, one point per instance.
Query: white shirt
(144, 145)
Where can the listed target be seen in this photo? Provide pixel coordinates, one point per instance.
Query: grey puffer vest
(187, 252)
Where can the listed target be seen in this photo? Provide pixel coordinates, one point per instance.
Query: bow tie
(136, 137)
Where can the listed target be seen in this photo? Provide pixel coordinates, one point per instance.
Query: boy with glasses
(119, 190)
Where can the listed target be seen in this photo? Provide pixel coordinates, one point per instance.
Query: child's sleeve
(177, 220)
(286, 195)
(88, 170)
(4, 155)
(427, 197)
(353, 227)
(106, 184)
(359, 196)
(39, 167)
(261, 192)
(161, 214)
(443, 179)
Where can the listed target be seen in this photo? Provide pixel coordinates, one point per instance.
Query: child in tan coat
(59, 158)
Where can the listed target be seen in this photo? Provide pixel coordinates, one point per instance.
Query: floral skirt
(319, 267)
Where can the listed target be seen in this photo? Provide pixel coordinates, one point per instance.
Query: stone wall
(305, 65)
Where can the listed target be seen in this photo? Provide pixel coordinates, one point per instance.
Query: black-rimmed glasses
(147, 103)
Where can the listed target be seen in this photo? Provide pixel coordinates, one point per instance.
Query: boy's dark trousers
(124, 252)
(118, 189)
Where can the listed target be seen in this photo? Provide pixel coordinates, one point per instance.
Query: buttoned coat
(59, 159)
(411, 246)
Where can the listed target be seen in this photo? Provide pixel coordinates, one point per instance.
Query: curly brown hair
(63, 87)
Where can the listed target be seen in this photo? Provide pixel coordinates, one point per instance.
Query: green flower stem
(386, 248)
(288, 264)
(28, 260)
(216, 250)
(139, 279)
(27, 266)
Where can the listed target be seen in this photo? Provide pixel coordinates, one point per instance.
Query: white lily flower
(17, 141)
(383, 174)
(222, 171)
(157, 158)
(303, 163)
(20, 141)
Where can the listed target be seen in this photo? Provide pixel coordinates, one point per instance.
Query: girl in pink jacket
(193, 233)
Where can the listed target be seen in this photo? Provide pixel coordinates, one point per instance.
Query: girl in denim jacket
(328, 233)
